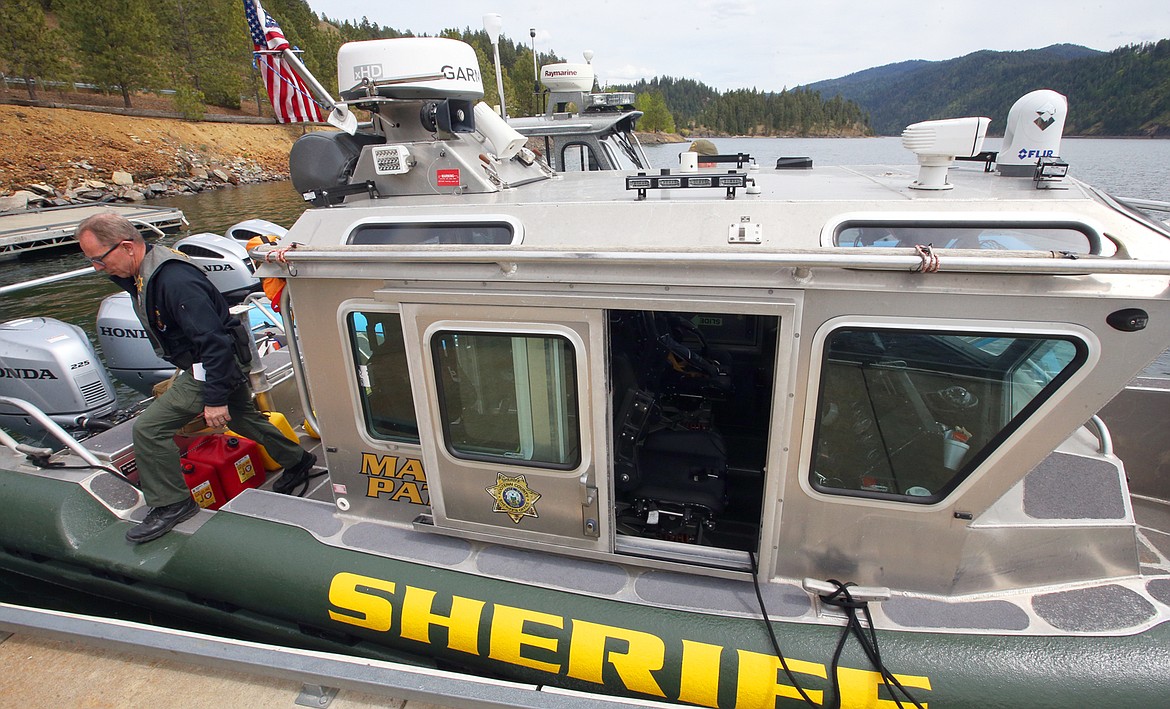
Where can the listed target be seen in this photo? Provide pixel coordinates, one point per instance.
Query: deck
(35, 230)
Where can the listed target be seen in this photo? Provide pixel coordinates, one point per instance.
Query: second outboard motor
(52, 365)
(128, 353)
(225, 261)
(245, 230)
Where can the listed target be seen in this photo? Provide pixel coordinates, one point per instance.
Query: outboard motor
(52, 365)
(1035, 125)
(225, 261)
(249, 228)
(128, 353)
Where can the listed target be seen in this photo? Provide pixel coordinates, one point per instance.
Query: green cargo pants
(157, 457)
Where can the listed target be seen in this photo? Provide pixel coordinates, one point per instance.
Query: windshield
(1132, 212)
(625, 151)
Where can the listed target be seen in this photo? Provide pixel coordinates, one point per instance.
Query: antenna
(492, 24)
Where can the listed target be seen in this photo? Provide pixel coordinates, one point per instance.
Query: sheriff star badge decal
(513, 497)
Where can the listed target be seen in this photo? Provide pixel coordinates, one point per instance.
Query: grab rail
(890, 259)
(1103, 435)
(14, 287)
(52, 427)
(298, 366)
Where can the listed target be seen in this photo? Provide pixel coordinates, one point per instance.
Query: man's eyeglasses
(100, 260)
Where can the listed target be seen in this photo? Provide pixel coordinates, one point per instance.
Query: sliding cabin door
(514, 444)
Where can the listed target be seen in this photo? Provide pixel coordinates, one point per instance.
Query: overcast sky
(772, 44)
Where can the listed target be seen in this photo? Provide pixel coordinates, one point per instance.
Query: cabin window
(383, 379)
(692, 401)
(1005, 236)
(509, 397)
(579, 157)
(908, 414)
(432, 233)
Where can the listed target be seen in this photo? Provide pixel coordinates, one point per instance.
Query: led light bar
(666, 181)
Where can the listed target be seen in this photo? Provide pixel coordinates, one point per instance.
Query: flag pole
(340, 116)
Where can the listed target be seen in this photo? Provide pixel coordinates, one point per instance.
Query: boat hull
(278, 582)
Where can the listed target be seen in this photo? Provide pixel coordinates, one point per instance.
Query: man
(188, 322)
(702, 146)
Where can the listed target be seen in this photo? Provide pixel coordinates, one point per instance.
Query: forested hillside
(696, 107)
(1123, 92)
(201, 52)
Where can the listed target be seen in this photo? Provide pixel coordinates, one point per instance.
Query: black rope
(841, 598)
(772, 634)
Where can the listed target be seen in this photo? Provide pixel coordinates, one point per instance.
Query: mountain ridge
(1121, 92)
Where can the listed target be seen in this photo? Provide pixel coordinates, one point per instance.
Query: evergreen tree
(115, 42)
(206, 37)
(28, 48)
(655, 115)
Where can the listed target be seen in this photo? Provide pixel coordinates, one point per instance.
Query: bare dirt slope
(53, 146)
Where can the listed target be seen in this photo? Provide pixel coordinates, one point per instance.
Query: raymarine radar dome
(409, 68)
(567, 77)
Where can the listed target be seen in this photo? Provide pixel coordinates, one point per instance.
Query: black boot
(297, 476)
(161, 520)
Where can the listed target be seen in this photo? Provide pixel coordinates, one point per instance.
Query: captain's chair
(656, 464)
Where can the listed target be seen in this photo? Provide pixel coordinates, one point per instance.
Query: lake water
(1121, 166)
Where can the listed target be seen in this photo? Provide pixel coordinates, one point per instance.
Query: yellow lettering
(462, 625)
(699, 681)
(759, 684)
(379, 465)
(859, 688)
(644, 653)
(409, 490)
(508, 638)
(351, 592)
(379, 486)
(413, 467)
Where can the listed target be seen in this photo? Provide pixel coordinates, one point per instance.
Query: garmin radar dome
(409, 68)
(1035, 125)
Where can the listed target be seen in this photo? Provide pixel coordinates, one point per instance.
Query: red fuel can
(236, 460)
(203, 480)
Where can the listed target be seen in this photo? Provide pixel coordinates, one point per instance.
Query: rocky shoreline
(122, 186)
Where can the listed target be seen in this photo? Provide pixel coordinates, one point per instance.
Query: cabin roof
(795, 210)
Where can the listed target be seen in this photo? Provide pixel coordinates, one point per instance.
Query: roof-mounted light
(666, 181)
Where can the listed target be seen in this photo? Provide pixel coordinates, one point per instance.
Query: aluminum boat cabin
(674, 436)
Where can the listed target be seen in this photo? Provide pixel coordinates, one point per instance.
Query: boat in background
(696, 436)
(582, 130)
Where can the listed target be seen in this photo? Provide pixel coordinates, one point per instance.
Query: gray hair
(109, 229)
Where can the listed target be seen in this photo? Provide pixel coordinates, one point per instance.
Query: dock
(55, 659)
(50, 227)
(45, 674)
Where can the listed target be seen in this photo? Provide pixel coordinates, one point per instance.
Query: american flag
(291, 100)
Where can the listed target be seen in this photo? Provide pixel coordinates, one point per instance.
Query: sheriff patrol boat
(713, 437)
